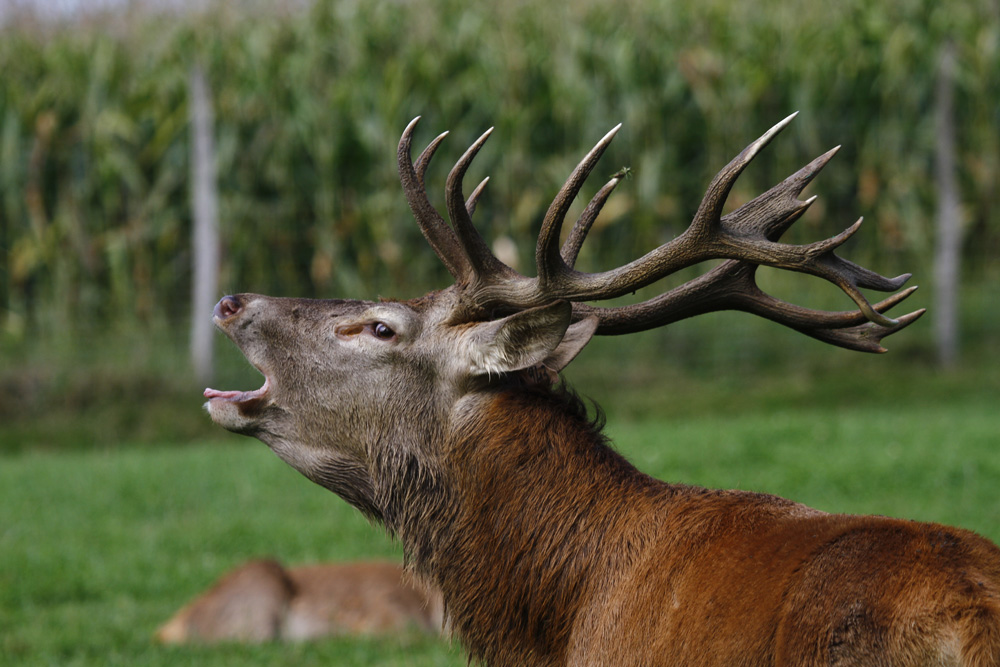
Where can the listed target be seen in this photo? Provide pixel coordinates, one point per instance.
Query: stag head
(358, 394)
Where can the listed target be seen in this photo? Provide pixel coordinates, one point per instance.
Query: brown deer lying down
(262, 601)
(438, 418)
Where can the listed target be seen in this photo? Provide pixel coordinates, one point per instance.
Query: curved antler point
(738, 163)
(784, 122)
(482, 139)
(902, 278)
(610, 135)
(821, 161)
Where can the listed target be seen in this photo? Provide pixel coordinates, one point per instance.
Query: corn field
(309, 104)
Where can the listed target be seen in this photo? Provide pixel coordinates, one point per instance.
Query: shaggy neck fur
(524, 515)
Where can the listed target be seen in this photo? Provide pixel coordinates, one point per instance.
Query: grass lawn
(97, 549)
(100, 546)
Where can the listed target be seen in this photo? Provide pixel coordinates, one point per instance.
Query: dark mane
(563, 397)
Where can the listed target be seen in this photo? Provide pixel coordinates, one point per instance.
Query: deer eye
(383, 332)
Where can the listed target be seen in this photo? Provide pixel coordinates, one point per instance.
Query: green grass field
(97, 547)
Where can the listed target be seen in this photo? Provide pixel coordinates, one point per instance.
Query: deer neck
(518, 526)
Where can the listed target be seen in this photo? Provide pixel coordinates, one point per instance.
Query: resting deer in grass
(438, 417)
(262, 601)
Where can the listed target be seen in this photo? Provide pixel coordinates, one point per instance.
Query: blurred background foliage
(310, 99)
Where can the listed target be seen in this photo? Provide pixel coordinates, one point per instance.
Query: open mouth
(238, 396)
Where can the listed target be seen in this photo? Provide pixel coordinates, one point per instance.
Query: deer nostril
(227, 307)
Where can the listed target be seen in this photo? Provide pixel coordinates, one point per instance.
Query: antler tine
(865, 337)
(577, 235)
(427, 154)
(437, 232)
(547, 254)
(813, 322)
(470, 203)
(483, 262)
(773, 212)
(848, 276)
(710, 209)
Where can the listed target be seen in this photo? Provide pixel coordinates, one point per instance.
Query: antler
(746, 238)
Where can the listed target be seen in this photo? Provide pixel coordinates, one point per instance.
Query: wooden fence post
(205, 226)
(948, 244)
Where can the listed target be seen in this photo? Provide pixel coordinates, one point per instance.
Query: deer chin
(237, 410)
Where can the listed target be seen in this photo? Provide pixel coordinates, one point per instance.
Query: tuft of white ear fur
(519, 341)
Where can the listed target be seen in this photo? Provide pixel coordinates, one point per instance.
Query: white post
(948, 245)
(205, 226)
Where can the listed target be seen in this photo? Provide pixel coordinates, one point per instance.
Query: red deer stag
(438, 418)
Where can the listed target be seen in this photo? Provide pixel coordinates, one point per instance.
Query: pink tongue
(215, 393)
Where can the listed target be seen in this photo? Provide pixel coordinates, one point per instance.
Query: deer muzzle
(235, 410)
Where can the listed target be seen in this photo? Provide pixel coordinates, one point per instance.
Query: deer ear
(522, 340)
(576, 338)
